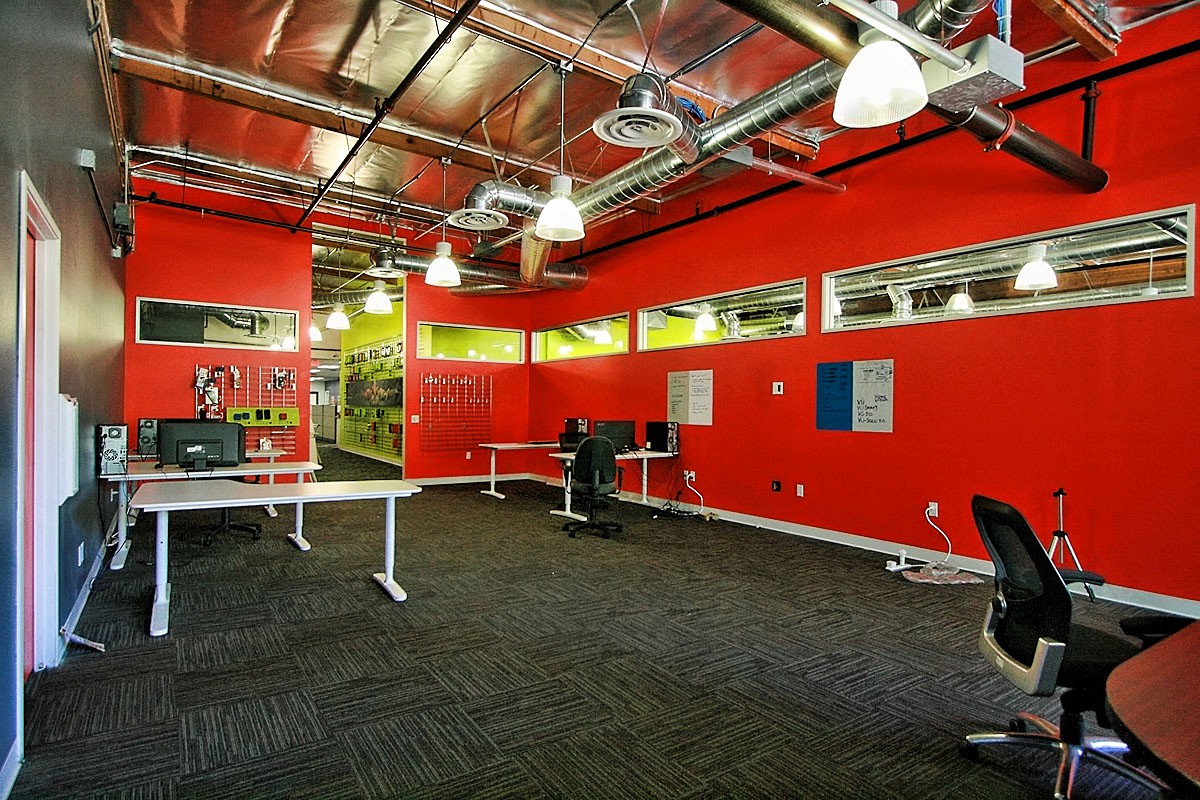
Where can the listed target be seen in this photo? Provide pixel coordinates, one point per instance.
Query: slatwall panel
(456, 411)
(237, 386)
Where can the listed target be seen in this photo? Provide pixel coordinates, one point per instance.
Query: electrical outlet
(799, 490)
(777, 387)
(79, 560)
(776, 486)
(689, 474)
(415, 419)
(468, 455)
(932, 509)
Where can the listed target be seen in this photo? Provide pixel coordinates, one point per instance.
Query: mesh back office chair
(594, 477)
(1029, 637)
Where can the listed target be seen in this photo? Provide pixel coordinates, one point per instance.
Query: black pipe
(388, 104)
(1089, 119)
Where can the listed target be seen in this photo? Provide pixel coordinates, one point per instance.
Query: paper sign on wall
(690, 397)
(855, 395)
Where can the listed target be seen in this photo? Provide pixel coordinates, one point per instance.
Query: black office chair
(227, 525)
(1028, 635)
(594, 477)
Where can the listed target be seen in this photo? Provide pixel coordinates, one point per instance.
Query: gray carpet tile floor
(681, 658)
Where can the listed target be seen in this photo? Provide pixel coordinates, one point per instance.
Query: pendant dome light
(442, 271)
(960, 302)
(883, 83)
(560, 220)
(377, 301)
(1037, 273)
(338, 321)
(603, 334)
(314, 333)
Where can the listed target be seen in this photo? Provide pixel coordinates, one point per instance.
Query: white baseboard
(12, 765)
(1117, 594)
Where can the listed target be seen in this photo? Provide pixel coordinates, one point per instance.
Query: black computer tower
(147, 443)
(663, 436)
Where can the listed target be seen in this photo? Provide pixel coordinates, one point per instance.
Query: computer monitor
(200, 443)
(568, 442)
(621, 432)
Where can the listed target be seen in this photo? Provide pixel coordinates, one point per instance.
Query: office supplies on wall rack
(262, 398)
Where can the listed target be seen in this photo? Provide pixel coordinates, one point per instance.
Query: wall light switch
(777, 387)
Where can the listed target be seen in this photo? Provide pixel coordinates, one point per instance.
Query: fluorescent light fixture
(338, 321)
(314, 333)
(559, 220)
(1037, 273)
(377, 301)
(883, 83)
(442, 271)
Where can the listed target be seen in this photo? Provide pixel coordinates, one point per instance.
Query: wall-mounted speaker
(663, 436)
(147, 443)
(112, 449)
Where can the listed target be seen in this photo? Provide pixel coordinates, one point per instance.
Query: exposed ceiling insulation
(266, 99)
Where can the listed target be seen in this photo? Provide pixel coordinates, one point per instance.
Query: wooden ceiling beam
(1083, 29)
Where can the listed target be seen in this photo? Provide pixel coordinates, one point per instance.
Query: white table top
(629, 455)
(139, 471)
(519, 445)
(232, 494)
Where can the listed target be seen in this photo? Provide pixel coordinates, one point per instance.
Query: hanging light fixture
(314, 333)
(377, 301)
(289, 342)
(560, 220)
(603, 334)
(1037, 273)
(1150, 289)
(442, 271)
(705, 323)
(338, 321)
(798, 322)
(960, 302)
(883, 83)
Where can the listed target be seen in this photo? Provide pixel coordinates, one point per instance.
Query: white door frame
(36, 217)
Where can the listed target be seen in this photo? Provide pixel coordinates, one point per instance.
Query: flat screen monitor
(200, 443)
(621, 432)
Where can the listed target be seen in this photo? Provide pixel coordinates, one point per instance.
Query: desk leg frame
(122, 551)
(297, 538)
(491, 490)
(160, 611)
(566, 509)
(385, 578)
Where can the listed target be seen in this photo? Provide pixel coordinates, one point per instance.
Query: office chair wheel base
(571, 534)
(969, 751)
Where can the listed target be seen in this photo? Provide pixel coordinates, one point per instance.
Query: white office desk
(495, 447)
(163, 498)
(145, 471)
(270, 456)
(568, 459)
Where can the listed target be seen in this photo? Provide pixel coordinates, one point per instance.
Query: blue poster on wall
(835, 396)
(855, 395)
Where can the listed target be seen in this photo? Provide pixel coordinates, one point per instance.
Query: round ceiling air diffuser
(477, 219)
(637, 127)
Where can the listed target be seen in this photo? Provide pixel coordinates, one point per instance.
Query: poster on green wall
(378, 393)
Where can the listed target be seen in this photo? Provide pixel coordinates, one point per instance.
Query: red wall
(510, 382)
(183, 255)
(1090, 399)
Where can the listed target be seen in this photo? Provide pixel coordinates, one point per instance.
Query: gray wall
(53, 106)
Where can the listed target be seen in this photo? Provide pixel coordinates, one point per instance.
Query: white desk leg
(122, 551)
(491, 490)
(645, 479)
(566, 509)
(160, 612)
(297, 538)
(271, 511)
(384, 578)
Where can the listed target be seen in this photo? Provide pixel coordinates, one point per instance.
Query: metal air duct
(556, 276)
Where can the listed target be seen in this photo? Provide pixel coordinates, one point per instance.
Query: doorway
(38, 271)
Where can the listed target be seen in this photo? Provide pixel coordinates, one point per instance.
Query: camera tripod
(1060, 543)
